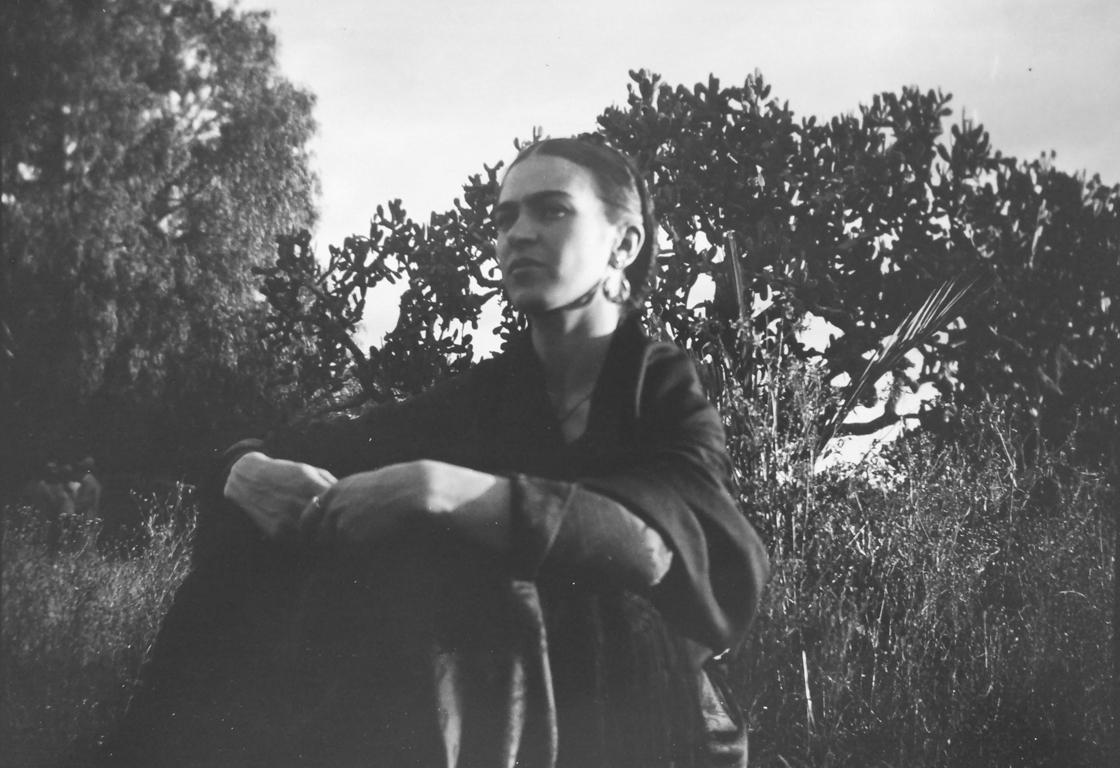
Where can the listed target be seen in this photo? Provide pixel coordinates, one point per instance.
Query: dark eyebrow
(532, 199)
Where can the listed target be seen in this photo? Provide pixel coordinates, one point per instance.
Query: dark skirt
(421, 652)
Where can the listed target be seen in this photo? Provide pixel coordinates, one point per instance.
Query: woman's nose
(521, 229)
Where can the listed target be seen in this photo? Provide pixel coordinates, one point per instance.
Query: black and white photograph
(586, 384)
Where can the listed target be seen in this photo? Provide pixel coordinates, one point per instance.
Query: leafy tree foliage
(151, 152)
(775, 220)
(450, 275)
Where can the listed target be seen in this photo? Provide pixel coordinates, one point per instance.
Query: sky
(415, 96)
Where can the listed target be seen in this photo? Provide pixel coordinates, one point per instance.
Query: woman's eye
(503, 220)
(554, 211)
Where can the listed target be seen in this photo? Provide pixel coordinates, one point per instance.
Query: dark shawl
(271, 655)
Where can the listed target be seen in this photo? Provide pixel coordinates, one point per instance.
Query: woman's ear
(627, 246)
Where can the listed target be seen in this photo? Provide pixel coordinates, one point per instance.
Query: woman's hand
(365, 507)
(273, 492)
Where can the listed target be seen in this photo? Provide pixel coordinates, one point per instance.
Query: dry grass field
(938, 607)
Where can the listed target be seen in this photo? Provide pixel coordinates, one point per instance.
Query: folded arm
(586, 534)
(677, 525)
(273, 492)
(679, 483)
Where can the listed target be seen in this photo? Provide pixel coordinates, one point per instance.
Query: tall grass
(76, 625)
(945, 604)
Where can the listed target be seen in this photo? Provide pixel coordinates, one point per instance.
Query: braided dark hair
(622, 188)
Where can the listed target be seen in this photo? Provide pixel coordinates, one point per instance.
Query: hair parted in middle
(623, 190)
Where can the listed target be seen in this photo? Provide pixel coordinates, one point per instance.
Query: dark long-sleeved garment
(257, 634)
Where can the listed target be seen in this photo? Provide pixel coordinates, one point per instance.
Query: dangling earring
(616, 287)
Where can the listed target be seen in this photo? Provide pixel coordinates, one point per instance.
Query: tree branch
(870, 427)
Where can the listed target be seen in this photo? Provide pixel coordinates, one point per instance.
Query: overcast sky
(414, 96)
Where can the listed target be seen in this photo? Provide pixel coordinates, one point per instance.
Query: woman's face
(554, 237)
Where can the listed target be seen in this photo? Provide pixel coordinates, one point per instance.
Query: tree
(854, 220)
(151, 152)
(451, 275)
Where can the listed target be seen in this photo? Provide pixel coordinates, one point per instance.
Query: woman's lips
(519, 265)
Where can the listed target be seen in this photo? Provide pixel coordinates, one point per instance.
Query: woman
(527, 564)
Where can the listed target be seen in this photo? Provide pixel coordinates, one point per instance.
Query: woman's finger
(311, 520)
(324, 476)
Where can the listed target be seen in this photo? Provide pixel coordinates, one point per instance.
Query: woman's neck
(572, 345)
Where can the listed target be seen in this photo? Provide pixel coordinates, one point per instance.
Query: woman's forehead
(546, 173)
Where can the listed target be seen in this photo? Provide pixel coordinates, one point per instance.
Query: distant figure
(87, 499)
(53, 500)
(71, 480)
